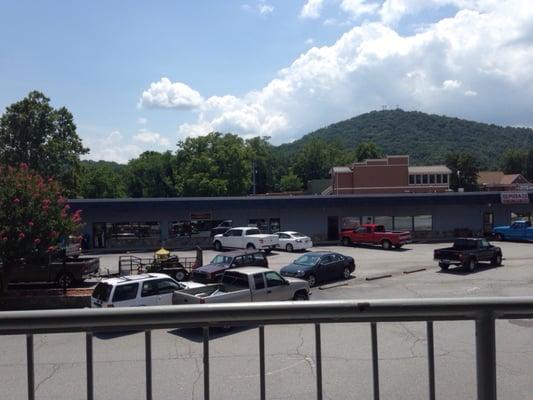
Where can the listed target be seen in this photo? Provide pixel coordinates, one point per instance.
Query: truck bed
(212, 294)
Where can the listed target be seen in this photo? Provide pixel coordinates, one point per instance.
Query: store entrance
(333, 228)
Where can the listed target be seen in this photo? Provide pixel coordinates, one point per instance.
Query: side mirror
(234, 265)
(286, 282)
(225, 234)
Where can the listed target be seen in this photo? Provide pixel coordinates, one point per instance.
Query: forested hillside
(427, 138)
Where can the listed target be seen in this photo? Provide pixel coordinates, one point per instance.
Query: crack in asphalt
(199, 374)
(55, 368)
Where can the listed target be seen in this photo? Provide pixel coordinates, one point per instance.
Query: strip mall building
(181, 222)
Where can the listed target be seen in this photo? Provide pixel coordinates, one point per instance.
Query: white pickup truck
(246, 284)
(245, 238)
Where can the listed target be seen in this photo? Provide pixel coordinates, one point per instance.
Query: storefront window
(403, 223)
(132, 230)
(386, 221)
(423, 223)
(260, 223)
(350, 222)
(275, 225)
(523, 216)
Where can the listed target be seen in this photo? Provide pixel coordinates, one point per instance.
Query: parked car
(375, 234)
(320, 266)
(222, 227)
(468, 253)
(65, 274)
(245, 285)
(290, 241)
(518, 230)
(212, 272)
(137, 290)
(245, 238)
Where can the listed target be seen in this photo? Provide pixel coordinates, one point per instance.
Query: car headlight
(300, 273)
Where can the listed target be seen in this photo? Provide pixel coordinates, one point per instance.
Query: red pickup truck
(375, 234)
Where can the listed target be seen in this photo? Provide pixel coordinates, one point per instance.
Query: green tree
(152, 174)
(33, 217)
(213, 165)
(101, 180)
(290, 182)
(34, 133)
(465, 171)
(514, 161)
(367, 150)
(314, 160)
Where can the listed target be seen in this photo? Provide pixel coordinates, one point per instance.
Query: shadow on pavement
(113, 335)
(197, 335)
(463, 271)
(369, 246)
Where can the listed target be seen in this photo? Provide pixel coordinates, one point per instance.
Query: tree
(367, 150)
(514, 161)
(34, 217)
(290, 182)
(152, 174)
(101, 180)
(213, 165)
(34, 133)
(465, 171)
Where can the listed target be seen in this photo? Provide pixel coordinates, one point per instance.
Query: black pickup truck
(468, 253)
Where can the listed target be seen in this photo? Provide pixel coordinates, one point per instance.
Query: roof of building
(499, 178)
(341, 170)
(430, 169)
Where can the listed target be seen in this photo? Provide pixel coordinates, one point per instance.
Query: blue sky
(142, 75)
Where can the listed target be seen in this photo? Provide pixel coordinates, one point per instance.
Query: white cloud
(167, 94)
(145, 136)
(356, 8)
(471, 65)
(265, 9)
(111, 148)
(142, 120)
(312, 9)
(310, 41)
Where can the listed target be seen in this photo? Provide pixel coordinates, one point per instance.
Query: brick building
(389, 175)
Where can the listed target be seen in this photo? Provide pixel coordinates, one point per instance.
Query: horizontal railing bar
(266, 313)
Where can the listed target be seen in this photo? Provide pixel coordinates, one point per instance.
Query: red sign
(514, 198)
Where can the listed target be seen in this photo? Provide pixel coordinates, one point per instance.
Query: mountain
(426, 138)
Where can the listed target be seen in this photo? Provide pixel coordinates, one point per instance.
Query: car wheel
(346, 241)
(386, 244)
(180, 275)
(497, 260)
(250, 246)
(444, 266)
(289, 248)
(346, 273)
(218, 246)
(65, 279)
(301, 295)
(311, 279)
(471, 264)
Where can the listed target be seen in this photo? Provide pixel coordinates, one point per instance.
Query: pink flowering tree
(33, 217)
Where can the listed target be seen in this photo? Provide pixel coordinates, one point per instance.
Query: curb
(373, 278)
(334, 285)
(412, 271)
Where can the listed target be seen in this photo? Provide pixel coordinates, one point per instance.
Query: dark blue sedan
(320, 266)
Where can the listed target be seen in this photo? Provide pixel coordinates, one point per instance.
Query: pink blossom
(30, 224)
(16, 201)
(37, 241)
(21, 236)
(24, 166)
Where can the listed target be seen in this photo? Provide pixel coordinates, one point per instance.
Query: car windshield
(307, 259)
(102, 291)
(297, 234)
(221, 259)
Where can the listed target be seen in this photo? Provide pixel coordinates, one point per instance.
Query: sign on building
(514, 198)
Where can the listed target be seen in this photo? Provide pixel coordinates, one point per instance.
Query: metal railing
(484, 311)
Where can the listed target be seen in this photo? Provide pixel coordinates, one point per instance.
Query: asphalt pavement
(290, 355)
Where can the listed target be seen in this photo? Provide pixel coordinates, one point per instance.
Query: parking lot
(290, 363)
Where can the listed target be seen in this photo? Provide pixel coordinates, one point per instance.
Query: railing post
(318, 348)
(262, 388)
(89, 361)
(486, 358)
(148, 359)
(431, 360)
(206, 362)
(375, 357)
(30, 366)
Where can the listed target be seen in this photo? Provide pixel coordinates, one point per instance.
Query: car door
(485, 251)
(165, 289)
(337, 265)
(236, 238)
(515, 232)
(149, 293)
(260, 290)
(126, 295)
(283, 240)
(277, 287)
(325, 268)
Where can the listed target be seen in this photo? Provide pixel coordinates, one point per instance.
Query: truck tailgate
(450, 255)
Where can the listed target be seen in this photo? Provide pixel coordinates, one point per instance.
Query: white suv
(137, 290)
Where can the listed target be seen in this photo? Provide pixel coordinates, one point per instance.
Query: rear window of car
(235, 279)
(102, 291)
(465, 244)
(259, 257)
(126, 292)
(253, 232)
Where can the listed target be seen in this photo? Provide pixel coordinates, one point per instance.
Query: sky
(142, 75)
